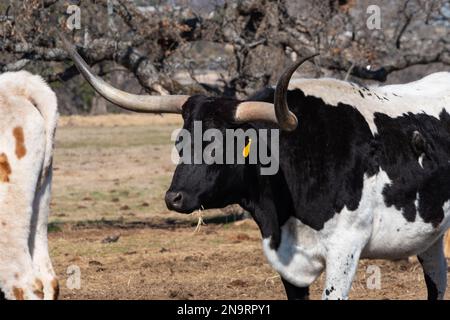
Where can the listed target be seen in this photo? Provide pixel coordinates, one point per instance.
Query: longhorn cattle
(363, 173)
(28, 116)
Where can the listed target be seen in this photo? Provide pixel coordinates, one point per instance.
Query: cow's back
(429, 95)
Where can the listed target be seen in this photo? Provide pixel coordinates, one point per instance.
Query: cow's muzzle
(176, 201)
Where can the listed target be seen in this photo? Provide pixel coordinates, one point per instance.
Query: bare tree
(255, 40)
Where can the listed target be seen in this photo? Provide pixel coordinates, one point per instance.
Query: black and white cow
(364, 174)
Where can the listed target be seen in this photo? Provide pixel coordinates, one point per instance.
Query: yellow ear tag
(246, 150)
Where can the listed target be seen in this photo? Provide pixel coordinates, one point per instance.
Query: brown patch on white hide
(5, 168)
(55, 287)
(18, 293)
(21, 150)
(39, 289)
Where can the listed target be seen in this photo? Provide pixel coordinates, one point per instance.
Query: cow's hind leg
(22, 150)
(18, 278)
(39, 238)
(295, 293)
(434, 267)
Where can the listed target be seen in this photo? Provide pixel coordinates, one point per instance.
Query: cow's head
(213, 171)
(197, 185)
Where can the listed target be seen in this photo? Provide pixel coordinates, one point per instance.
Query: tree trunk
(98, 105)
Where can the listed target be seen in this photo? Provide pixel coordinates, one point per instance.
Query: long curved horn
(277, 113)
(255, 111)
(133, 102)
(286, 119)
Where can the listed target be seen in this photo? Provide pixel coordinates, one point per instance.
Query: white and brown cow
(28, 117)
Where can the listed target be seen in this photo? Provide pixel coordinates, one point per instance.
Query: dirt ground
(110, 222)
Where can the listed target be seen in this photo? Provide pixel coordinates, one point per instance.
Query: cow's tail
(44, 99)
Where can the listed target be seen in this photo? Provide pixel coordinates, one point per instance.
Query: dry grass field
(109, 219)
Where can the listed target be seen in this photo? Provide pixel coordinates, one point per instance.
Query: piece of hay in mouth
(200, 221)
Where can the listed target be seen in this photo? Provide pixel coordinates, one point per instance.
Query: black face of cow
(196, 186)
(202, 186)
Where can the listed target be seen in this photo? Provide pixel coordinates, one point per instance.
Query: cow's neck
(268, 200)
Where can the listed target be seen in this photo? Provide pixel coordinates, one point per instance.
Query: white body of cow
(28, 117)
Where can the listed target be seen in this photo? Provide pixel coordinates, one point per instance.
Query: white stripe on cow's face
(429, 95)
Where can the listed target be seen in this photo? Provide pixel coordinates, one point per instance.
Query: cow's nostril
(174, 200)
(178, 198)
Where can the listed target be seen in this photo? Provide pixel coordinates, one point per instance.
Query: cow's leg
(23, 154)
(341, 265)
(295, 293)
(434, 267)
(18, 279)
(340, 271)
(39, 239)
